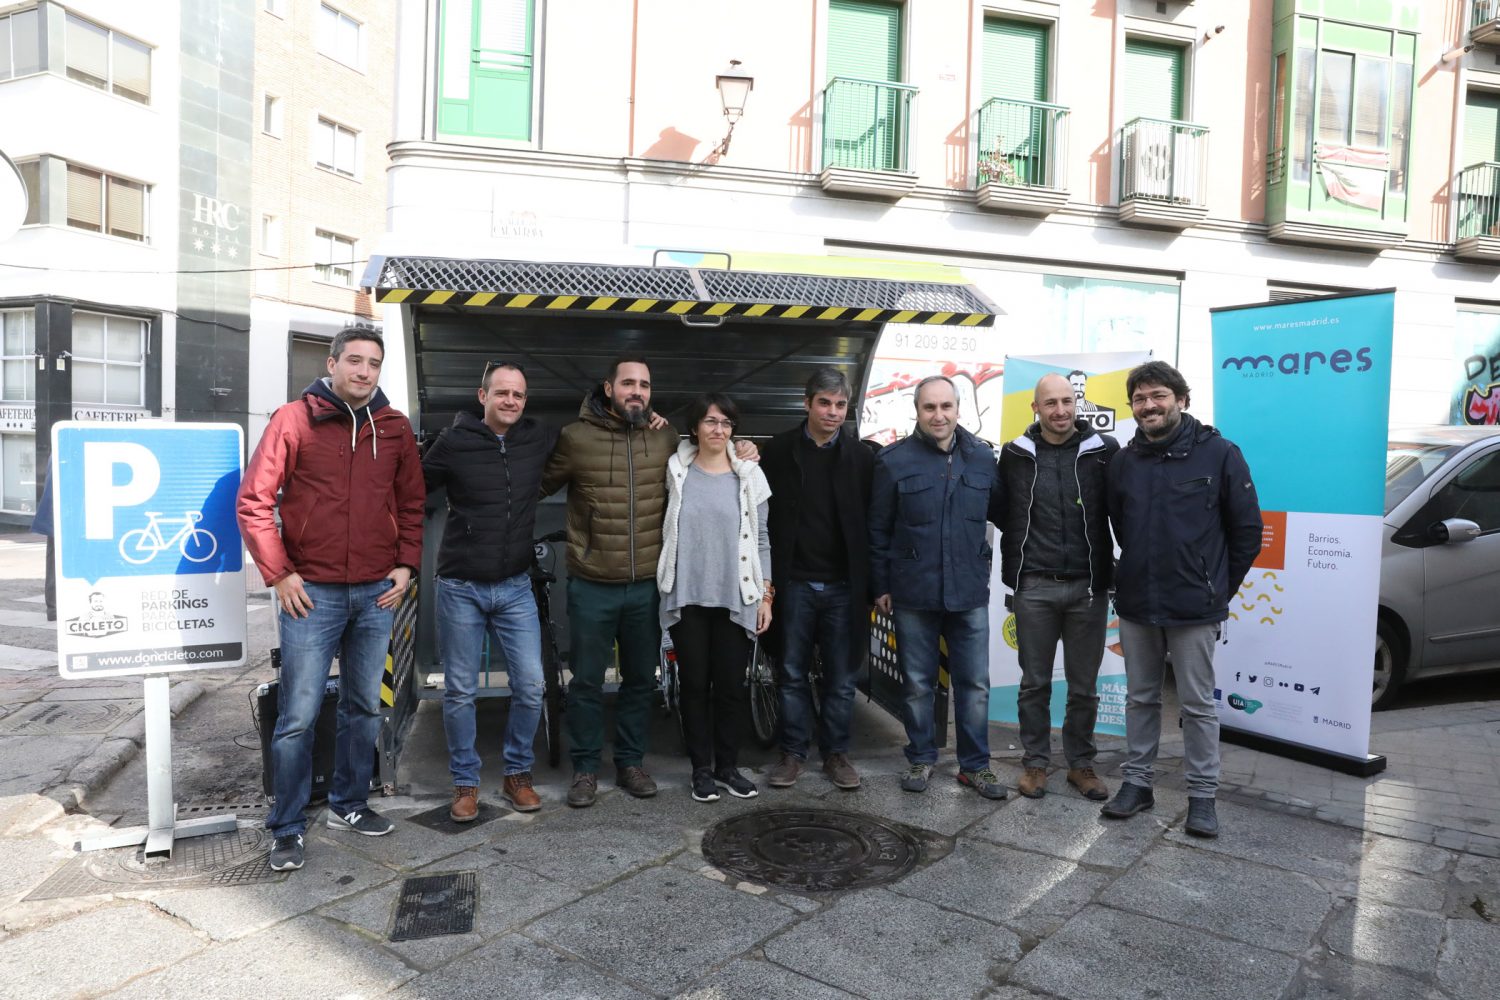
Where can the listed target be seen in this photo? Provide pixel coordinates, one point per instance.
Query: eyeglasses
(714, 423)
(1158, 397)
(489, 366)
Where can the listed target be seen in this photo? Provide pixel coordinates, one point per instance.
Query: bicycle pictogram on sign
(141, 545)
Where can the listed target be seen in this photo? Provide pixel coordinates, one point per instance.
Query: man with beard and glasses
(1185, 513)
(614, 463)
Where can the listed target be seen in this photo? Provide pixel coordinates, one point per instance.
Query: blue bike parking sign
(150, 567)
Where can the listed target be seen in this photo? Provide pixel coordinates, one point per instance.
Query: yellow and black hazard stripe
(677, 307)
(400, 656)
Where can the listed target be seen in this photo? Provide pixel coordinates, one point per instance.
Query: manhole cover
(72, 717)
(239, 857)
(434, 905)
(437, 818)
(812, 850)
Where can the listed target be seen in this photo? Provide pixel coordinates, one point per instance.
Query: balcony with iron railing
(1163, 173)
(1021, 156)
(866, 137)
(1477, 206)
(1484, 22)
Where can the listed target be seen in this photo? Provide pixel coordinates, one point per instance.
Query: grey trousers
(1192, 651)
(1048, 611)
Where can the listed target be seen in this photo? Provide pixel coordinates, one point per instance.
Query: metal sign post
(150, 578)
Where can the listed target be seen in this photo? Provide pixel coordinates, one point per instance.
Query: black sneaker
(363, 821)
(286, 853)
(738, 785)
(1128, 801)
(705, 789)
(1202, 821)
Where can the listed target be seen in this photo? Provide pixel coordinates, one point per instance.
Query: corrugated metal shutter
(1153, 80)
(1481, 128)
(1015, 60)
(864, 39)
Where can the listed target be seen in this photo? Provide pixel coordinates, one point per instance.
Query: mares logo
(1303, 363)
(98, 623)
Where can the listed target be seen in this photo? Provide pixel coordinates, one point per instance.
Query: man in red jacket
(345, 462)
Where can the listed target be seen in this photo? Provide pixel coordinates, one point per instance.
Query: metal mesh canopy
(675, 291)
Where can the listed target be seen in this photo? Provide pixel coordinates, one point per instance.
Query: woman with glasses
(714, 574)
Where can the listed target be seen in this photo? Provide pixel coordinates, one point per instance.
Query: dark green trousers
(599, 616)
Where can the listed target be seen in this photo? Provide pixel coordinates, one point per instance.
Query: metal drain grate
(240, 857)
(435, 905)
(811, 850)
(52, 718)
(437, 818)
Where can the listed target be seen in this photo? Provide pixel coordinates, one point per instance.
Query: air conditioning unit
(1148, 157)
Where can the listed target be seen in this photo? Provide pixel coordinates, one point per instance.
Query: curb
(118, 749)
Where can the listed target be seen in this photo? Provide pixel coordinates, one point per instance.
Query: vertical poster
(1303, 388)
(1098, 381)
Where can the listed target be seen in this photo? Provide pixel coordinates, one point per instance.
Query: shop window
(336, 147)
(334, 256)
(339, 36)
(108, 60)
(109, 359)
(18, 480)
(486, 68)
(101, 203)
(20, 44)
(18, 360)
(307, 360)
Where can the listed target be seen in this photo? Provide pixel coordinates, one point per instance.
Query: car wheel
(1390, 665)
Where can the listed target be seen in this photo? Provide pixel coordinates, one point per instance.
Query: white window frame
(109, 40)
(272, 118)
(336, 127)
(106, 363)
(29, 358)
(325, 244)
(325, 42)
(104, 178)
(276, 8)
(270, 235)
(11, 41)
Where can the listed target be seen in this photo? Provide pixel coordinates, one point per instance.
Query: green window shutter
(1481, 128)
(1153, 80)
(1015, 60)
(864, 39)
(486, 67)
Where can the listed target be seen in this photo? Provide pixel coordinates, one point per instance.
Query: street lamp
(734, 87)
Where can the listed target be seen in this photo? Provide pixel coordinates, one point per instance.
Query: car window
(1473, 494)
(1407, 464)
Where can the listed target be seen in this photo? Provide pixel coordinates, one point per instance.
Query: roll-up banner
(1098, 381)
(1303, 387)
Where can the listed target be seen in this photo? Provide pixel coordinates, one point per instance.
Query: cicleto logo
(1243, 704)
(98, 622)
(1100, 417)
(1301, 363)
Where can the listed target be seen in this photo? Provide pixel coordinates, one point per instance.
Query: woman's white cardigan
(754, 490)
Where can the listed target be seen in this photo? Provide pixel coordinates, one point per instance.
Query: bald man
(1057, 557)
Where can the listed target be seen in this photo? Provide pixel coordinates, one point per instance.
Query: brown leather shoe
(1033, 783)
(636, 781)
(465, 804)
(1086, 781)
(783, 773)
(841, 772)
(517, 790)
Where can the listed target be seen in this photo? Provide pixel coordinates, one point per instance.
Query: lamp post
(734, 86)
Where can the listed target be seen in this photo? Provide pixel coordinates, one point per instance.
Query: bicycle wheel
(671, 692)
(199, 546)
(765, 700)
(136, 546)
(553, 698)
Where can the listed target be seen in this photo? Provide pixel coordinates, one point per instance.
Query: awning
(697, 293)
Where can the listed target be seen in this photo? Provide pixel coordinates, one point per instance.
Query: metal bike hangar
(755, 335)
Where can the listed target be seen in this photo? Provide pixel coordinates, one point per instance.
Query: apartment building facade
(1106, 173)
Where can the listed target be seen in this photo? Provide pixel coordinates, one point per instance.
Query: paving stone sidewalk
(1320, 886)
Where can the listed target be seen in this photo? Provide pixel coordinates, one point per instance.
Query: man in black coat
(1186, 515)
(819, 474)
(492, 471)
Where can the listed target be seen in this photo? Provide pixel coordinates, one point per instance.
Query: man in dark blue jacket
(1185, 513)
(492, 471)
(930, 565)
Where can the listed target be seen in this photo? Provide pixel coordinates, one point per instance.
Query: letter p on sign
(101, 494)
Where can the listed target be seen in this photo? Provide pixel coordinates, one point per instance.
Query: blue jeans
(346, 620)
(815, 614)
(506, 609)
(968, 639)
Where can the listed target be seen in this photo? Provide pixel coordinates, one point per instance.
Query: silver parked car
(1440, 561)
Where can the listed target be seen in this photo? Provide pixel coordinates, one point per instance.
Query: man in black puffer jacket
(1056, 555)
(492, 471)
(1187, 518)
